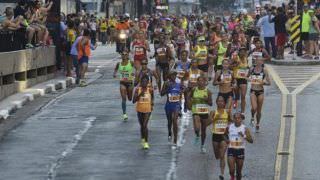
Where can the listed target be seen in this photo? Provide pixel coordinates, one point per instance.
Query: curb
(296, 62)
(11, 104)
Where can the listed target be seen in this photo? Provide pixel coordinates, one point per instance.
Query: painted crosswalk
(295, 77)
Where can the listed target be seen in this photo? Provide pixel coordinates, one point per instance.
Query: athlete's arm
(156, 76)
(164, 89)
(267, 56)
(152, 99)
(209, 100)
(135, 96)
(116, 70)
(189, 101)
(267, 78)
(211, 118)
(216, 82)
(248, 136)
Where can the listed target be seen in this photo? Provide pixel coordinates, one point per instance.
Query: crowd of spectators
(28, 22)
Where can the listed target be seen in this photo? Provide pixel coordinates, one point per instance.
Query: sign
(295, 29)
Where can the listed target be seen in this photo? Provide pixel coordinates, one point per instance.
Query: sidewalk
(294, 60)
(14, 102)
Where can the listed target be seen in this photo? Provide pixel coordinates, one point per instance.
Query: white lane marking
(277, 80)
(292, 138)
(281, 138)
(183, 125)
(307, 83)
(76, 139)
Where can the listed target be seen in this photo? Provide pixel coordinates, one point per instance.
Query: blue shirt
(267, 28)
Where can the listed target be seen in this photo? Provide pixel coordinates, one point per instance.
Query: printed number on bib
(202, 109)
(139, 51)
(220, 127)
(125, 76)
(174, 97)
(242, 73)
(161, 52)
(257, 79)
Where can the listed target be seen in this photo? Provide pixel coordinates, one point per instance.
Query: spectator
(268, 33)
(305, 28)
(279, 21)
(17, 24)
(314, 35)
(93, 29)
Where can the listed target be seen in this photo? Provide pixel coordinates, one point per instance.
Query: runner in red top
(140, 47)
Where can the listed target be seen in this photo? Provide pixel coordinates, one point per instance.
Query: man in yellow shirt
(305, 28)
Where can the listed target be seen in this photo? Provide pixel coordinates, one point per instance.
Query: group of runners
(191, 54)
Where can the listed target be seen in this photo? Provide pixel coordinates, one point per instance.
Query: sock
(124, 107)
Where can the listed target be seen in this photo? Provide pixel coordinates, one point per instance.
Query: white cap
(127, 15)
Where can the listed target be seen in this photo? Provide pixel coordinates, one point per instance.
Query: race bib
(256, 79)
(161, 51)
(256, 55)
(220, 127)
(226, 78)
(194, 78)
(139, 51)
(125, 76)
(202, 109)
(242, 73)
(174, 97)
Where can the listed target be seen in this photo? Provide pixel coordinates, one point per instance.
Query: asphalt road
(79, 135)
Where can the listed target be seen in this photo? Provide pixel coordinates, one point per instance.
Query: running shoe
(221, 177)
(169, 139)
(235, 104)
(143, 141)
(257, 128)
(252, 122)
(83, 84)
(203, 149)
(146, 145)
(125, 117)
(174, 146)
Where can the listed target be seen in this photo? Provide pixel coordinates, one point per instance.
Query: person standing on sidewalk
(304, 37)
(279, 21)
(84, 52)
(268, 32)
(314, 35)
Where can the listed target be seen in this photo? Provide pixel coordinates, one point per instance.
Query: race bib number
(125, 76)
(139, 51)
(256, 55)
(242, 73)
(194, 78)
(257, 79)
(174, 97)
(161, 51)
(220, 127)
(226, 78)
(202, 109)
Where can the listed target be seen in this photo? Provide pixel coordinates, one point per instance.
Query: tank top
(182, 69)
(220, 122)
(236, 141)
(193, 76)
(86, 49)
(125, 72)
(161, 51)
(201, 55)
(181, 37)
(257, 78)
(199, 104)
(221, 52)
(103, 27)
(241, 71)
(174, 93)
(139, 50)
(71, 35)
(144, 103)
(225, 77)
